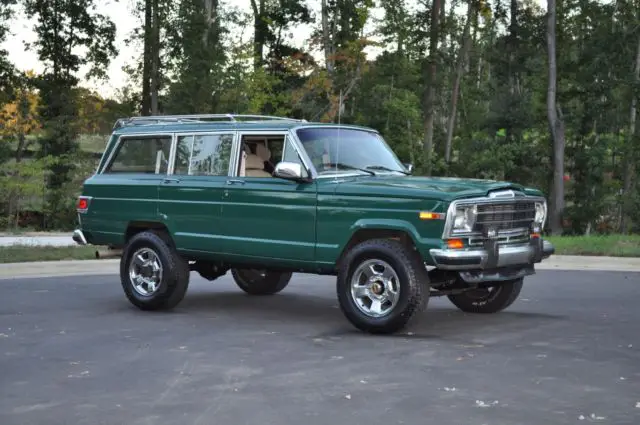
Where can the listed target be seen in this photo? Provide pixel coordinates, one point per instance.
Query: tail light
(82, 206)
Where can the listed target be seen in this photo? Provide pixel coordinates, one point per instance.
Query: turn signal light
(455, 243)
(427, 215)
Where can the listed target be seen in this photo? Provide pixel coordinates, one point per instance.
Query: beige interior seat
(254, 166)
(263, 152)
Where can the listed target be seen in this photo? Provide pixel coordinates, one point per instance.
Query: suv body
(264, 197)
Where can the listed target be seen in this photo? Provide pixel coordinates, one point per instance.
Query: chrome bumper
(492, 256)
(78, 237)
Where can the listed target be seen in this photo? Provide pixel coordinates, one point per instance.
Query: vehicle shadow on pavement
(440, 320)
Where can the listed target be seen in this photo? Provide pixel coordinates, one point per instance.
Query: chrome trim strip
(235, 155)
(172, 154)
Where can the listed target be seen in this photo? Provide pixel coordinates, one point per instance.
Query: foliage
(70, 35)
(216, 58)
(7, 71)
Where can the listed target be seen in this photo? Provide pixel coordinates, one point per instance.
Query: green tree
(70, 36)
(198, 57)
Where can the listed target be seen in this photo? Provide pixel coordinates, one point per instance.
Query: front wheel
(260, 282)
(381, 285)
(488, 300)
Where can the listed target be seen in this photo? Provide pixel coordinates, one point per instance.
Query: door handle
(171, 180)
(235, 181)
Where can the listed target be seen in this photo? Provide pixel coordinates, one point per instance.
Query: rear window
(147, 155)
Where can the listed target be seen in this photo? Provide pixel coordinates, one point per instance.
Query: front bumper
(492, 256)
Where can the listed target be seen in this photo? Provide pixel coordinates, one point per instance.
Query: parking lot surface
(74, 351)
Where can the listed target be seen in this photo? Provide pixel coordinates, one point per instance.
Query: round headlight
(541, 212)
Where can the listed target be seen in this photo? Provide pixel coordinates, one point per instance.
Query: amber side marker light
(426, 215)
(455, 243)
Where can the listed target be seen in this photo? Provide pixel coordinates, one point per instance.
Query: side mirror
(409, 167)
(289, 171)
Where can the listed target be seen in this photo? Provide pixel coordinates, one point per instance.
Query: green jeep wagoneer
(265, 197)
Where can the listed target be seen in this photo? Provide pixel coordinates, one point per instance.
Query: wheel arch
(135, 227)
(364, 230)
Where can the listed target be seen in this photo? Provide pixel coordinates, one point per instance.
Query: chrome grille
(506, 238)
(505, 215)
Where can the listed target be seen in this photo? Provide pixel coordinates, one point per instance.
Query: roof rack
(198, 118)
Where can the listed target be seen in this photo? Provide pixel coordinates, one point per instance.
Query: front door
(269, 217)
(190, 198)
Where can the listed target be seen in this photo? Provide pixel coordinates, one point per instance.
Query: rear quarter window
(146, 155)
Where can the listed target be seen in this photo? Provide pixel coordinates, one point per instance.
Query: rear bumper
(492, 256)
(78, 237)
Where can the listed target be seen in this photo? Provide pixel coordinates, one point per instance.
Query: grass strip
(597, 245)
(23, 254)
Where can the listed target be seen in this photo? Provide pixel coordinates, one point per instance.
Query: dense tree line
(541, 94)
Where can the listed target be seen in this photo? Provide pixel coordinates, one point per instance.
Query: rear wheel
(381, 285)
(488, 300)
(261, 282)
(153, 275)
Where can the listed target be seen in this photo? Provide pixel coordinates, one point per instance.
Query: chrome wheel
(375, 288)
(145, 271)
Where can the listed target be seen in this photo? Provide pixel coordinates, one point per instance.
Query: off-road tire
(503, 294)
(272, 283)
(412, 278)
(175, 277)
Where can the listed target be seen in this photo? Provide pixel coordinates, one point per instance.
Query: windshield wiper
(350, 167)
(383, 168)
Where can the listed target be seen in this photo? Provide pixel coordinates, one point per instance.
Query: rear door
(190, 198)
(269, 217)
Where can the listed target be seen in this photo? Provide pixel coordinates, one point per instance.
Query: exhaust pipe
(108, 253)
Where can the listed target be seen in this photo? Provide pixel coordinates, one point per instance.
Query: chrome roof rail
(197, 118)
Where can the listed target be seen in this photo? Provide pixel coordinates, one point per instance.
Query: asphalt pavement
(74, 351)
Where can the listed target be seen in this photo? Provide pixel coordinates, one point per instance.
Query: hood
(441, 188)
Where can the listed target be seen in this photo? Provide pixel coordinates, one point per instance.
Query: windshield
(345, 150)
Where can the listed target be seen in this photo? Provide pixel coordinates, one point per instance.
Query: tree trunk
(327, 41)
(556, 126)
(260, 29)
(462, 60)
(430, 81)
(155, 64)
(630, 151)
(513, 46)
(210, 16)
(146, 60)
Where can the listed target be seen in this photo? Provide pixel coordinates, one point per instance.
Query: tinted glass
(335, 150)
(183, 155)
(290, 154)
(148, 155)
(211, 154)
